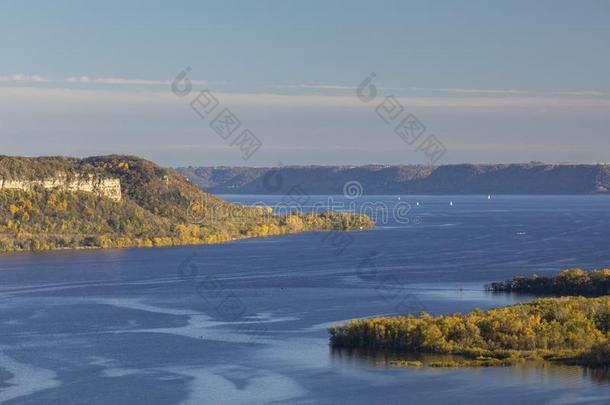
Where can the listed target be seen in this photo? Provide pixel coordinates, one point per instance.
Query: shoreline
(234, 239)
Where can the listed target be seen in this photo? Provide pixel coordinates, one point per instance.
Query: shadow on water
(544, 369)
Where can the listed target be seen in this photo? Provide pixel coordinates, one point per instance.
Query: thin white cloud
(300, 100)
(117, 80)
(312, 86)
(152, 99)
(21, 77)
(476, 97)
(84, 79)
(581, 93)
(79, 79)
(37, 78)
(450, 90)
(590, 93)
(477, 91)
(123, 81)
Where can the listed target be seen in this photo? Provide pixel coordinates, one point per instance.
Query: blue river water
(245, 322)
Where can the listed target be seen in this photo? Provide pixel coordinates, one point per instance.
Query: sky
(501, 81)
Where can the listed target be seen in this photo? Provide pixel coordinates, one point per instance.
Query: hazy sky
(493, 81)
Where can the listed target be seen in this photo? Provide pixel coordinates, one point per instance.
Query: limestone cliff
(104, 187)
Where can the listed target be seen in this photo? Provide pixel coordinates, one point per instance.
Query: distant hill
(526, 178)
(123, 201)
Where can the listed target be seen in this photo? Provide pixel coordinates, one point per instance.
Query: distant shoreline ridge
(486, 179)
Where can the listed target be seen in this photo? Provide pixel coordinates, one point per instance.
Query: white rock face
(105, 187)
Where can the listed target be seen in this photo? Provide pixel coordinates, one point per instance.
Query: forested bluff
(116, 201)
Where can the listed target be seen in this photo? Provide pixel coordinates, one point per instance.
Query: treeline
(568, 282)
(52, 219)
(159, 208)
(572, 329)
